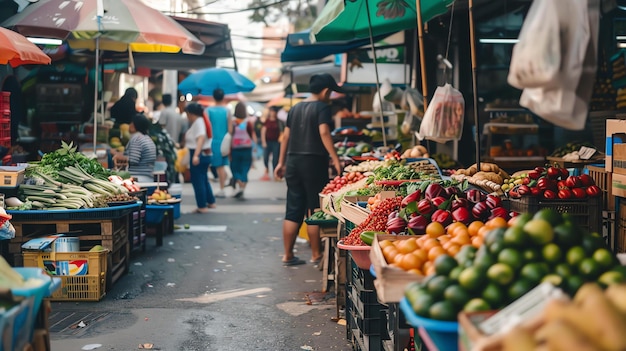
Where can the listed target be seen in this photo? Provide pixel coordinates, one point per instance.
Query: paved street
(217, 286)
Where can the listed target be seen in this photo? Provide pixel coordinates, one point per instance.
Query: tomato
(564, 193)
(593, 191)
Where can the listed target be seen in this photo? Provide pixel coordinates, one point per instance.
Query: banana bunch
(595, 320)
(64, 197)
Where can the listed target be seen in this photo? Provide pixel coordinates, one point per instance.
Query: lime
(573, 283)
(421, 304)
(484, 260)
(457, 295)
(500, 273)
(567, 234)
(531, 255)
(444, 264)
(563, 270)
(611, 277)
(496, 246)
(496, 234)
(534, 271)
(187, 226)
(522, 219)
(589, 268)
(553, 279)
(437, 285)
(511, 257)
(575, 255)
(539, 230)
(552, 253)
(519, 288)
(604, 257)
(456, 272)
(515, 237)
(493, 295)
(549, 215)
(591, 243)
(443, 310)
(466, 255)
(475, 305)
(472, 278)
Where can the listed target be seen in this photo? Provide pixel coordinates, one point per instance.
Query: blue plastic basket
(17, 326)
(37, 293)
(155, 213)
(445, 335)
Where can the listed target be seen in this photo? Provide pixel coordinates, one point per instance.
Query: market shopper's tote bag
(225, 146)
(443, 120)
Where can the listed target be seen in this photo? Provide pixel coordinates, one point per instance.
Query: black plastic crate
(362, 276)
(586, 213)
(370, 326)
(364, 342)
(364, 310)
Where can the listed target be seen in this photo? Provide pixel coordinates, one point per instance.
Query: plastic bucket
(445, 335)
(37, 292)
(176, 206)
(176, 190)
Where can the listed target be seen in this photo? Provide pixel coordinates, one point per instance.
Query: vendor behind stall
(140, 153)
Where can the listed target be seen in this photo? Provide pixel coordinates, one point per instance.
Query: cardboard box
(471, 338)
(390, 281)
(614, 127)
(619, 158)
(618, 185)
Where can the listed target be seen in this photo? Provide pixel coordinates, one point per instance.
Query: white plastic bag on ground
(536, 58)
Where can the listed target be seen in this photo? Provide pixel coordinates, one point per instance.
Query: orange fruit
(430, 270)
(430, 243)
(477, 241)
(410, 261)
(461, 231)
(435, 229)
(462, 239)
(474, 227)
(497, 222)
(458, 229)
(444, 239)
(453, 249)
(390, 253)
(427, 265)
(407, 246)
(452, 227)
(435, 252)
(416, 271)
(422, 254)
(420, 240)
(384, 243)
(397, 259)
(483, 231)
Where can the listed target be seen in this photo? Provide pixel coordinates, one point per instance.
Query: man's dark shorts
(306, 176)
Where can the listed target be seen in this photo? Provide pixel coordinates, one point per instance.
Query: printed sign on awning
(358, 66)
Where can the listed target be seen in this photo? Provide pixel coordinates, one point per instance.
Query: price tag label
(586, 153)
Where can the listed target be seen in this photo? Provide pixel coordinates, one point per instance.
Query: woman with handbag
(198, 140)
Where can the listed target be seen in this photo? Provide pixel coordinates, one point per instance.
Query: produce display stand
(108, 226)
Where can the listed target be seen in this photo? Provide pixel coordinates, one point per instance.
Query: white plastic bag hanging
(443, 120)
(561, 104)
(536, 58)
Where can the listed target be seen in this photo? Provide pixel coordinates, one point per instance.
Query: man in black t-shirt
(303, 161)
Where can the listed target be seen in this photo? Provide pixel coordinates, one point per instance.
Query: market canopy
(352, 19)
(300, 48)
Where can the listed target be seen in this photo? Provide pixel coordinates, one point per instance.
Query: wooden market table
(110, 227)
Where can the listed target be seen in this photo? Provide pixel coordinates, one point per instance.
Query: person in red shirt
(271, 133)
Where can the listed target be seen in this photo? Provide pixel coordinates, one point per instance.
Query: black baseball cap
(318, 82)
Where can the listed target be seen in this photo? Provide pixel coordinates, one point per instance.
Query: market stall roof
(300, 48)
(215, 36)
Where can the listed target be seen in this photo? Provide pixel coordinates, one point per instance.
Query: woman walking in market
(270, 139)
(244, 137)
(304, 152)
(198, 141)
(219, 116)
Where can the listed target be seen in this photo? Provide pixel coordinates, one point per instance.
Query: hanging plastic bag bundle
(443, 120)
(536, 58)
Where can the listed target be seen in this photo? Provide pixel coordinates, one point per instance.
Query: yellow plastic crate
(89, 287)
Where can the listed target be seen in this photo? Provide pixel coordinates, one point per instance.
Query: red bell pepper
(593, 191)
(536, 192)
(579, 193)
(534, 174)
(417, 225)
(523, 190)
(463, 215)
(396, 225)
(425, 207)
(442, 216)
(493, 201)
(412, 197)
(499, 212)
(438, 201)
(480, 210)
(564, 173)
(459, 202)
(433, 190)
(553, 173)
(474, 195)
(546, 183)
(586, 180)
(564, 193)
(549, 194)
(573, 182)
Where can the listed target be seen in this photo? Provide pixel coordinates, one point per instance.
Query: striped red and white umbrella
(124, 25)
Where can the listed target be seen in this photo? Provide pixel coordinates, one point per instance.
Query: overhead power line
(192, 11)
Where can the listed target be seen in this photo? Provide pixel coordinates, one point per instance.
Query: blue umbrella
(204, 81)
